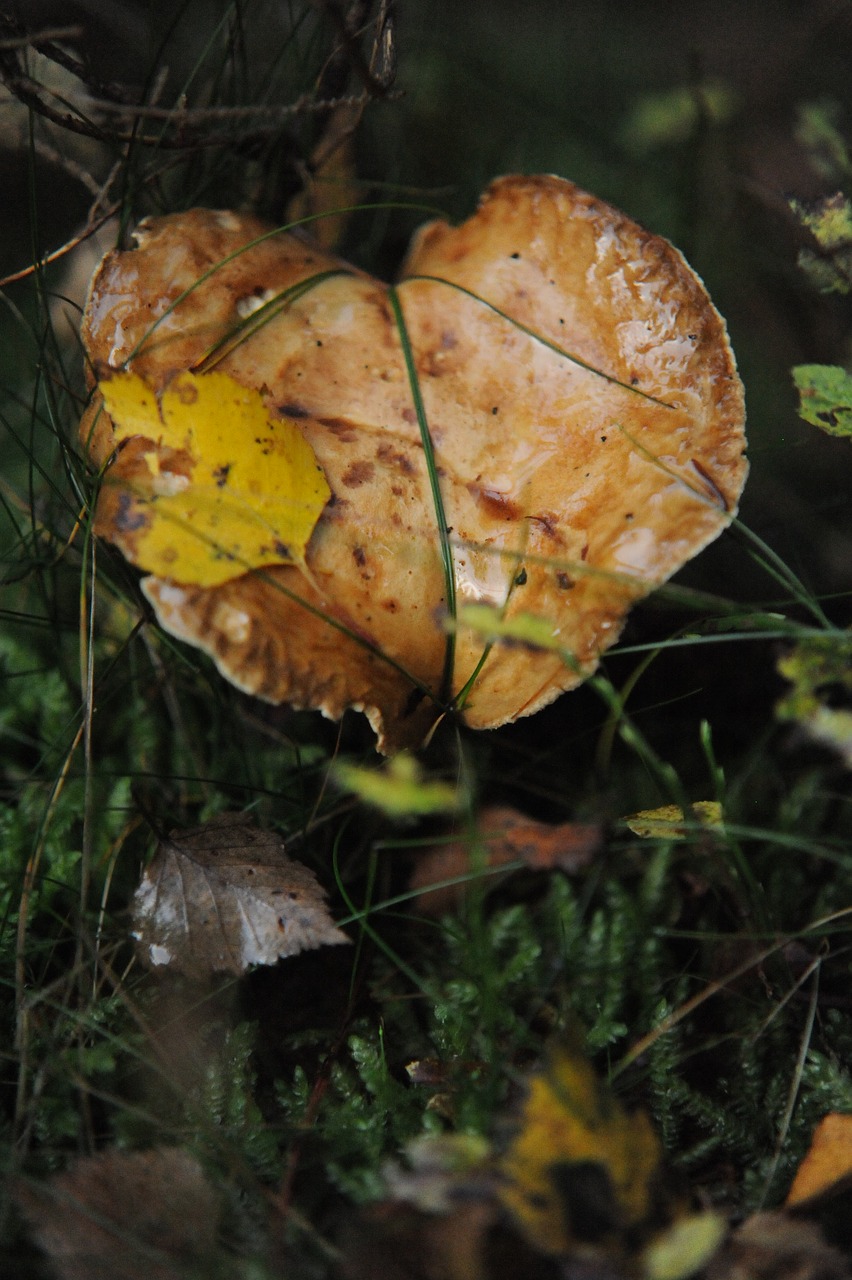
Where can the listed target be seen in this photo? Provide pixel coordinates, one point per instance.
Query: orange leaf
(504, 836)
(828, 1160)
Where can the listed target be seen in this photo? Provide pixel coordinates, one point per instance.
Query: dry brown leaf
(503, 836)
(572, 484)
(773, 1246)
(223, 896)
(123, 1215)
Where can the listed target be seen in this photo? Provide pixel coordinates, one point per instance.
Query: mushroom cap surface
(581, 399)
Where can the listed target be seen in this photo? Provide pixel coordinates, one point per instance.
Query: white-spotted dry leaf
(223, 896)
(121, 1215)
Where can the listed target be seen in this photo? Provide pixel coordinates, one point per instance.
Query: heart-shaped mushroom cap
(565, 368)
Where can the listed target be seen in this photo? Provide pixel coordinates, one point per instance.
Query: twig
(202, 115)
(39, 38)
(55, 254)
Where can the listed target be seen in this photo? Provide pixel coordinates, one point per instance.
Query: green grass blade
(437, 499)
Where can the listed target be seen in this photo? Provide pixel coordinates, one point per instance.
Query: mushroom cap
(583, 406)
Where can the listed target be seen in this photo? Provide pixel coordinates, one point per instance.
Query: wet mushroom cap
(581, 398)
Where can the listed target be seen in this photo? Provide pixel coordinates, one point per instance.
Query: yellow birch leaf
(226, 486)
(580, 1168)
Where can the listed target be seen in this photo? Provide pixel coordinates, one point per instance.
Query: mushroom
(543, 415)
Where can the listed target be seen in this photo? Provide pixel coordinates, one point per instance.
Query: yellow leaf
(581, 1168)
(227, 488)
(828, 1160)
(668, 822)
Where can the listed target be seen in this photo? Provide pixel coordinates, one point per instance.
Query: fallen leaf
(668, 822)
(829, 1159)
(773, 1246)
(212, 485)
(544, 416)
(580, 1167)
(122, 1215)
(581, 1187)
(503, 836)
(223, 896)
(441, 1221)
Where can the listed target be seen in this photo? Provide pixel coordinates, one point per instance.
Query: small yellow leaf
(828, 1160)
(668, 822)
(228, 487)
(580, 1168)
(400, 788)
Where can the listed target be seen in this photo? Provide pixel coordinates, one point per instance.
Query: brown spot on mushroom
(547, 522)
(392, 456)
(358, 473)
(342, 428)
(496, 504)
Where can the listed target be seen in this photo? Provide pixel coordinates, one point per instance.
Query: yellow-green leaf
(684, 1247)
(668, 821)
(400, 788)
(825, 397)
(226, 488)
(819, 669)
(527, 630)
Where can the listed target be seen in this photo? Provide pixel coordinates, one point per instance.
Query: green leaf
(825, 144)
(672, 116)
(825, 397)
(829, 221)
